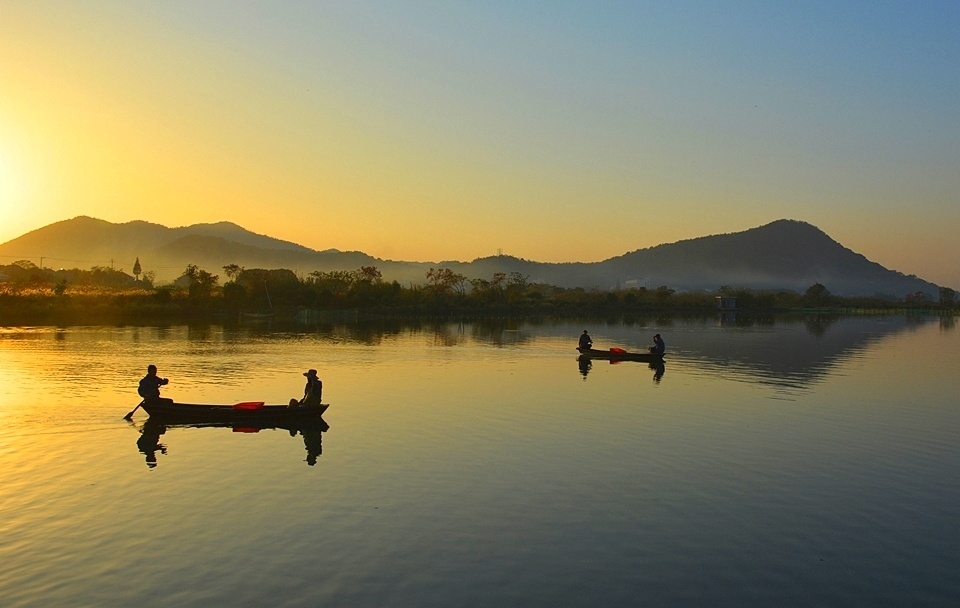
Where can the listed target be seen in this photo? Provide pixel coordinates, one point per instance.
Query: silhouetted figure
(585, 341)
(658, 346)
(312, 392)
(150, 385)
(149, 442)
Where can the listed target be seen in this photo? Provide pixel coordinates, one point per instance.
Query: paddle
(130, 415)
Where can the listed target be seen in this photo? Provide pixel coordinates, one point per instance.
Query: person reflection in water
(312, 439)
(585, 364)
(658, 370)
(312, 442)
(149, 442)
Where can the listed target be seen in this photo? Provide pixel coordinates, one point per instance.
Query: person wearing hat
(658, 345)
(311, 392)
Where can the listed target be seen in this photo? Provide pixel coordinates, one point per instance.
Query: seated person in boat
(311, 392)
(658, 345)
(150, 385)
(585, 341)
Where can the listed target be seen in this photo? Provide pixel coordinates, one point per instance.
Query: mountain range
(783, 255)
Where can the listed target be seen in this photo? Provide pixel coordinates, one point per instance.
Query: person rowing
(150, 384)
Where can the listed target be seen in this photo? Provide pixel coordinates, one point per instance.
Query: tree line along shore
(29, 294)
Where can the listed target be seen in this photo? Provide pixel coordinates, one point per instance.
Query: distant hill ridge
(785, 254)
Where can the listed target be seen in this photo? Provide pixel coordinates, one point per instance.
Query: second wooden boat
(619, 354)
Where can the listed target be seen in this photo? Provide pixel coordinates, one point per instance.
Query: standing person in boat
(312, 392)
(658, 345)
(150, 385)
(585, 341)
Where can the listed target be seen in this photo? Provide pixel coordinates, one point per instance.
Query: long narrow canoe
(619, 355)
(241, 412)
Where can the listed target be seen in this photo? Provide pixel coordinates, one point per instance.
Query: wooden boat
(293, 424)
(618, 354)
(240, 413)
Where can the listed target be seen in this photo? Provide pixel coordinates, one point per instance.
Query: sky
(431, 131)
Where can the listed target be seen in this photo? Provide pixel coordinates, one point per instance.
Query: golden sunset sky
(432, 131)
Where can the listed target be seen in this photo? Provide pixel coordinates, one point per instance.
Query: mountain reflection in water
(788, 354)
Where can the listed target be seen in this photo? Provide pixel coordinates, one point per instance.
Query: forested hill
(785, 254)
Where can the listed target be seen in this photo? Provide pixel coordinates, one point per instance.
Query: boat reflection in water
(585, 364)
(311, 429)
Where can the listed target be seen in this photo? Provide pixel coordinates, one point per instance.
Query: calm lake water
(800, 462)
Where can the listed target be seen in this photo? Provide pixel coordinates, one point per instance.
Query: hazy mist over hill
(784, 254)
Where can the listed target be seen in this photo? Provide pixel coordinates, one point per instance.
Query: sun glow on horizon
(14, 212)
(11, 184)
